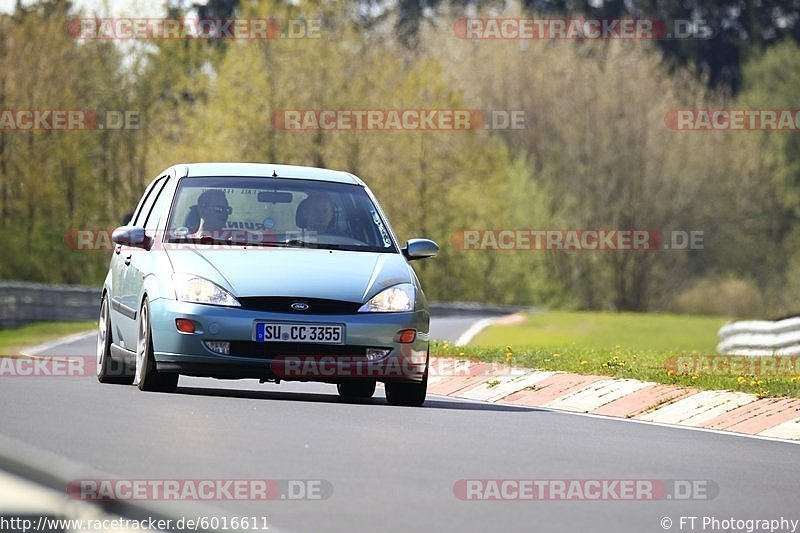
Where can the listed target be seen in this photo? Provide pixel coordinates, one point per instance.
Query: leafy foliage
(593, 152)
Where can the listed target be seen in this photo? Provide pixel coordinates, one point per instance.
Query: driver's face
(319, 214)
(215, 212)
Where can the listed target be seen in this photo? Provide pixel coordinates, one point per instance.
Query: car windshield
(277, 212)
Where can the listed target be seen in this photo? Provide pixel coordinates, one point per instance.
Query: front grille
(269, 350)
(283, 304)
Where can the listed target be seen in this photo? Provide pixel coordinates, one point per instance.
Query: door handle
(128, 259)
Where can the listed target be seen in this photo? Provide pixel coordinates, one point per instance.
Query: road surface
(393, 468)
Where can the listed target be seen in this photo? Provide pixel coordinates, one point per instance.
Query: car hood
(309, 273)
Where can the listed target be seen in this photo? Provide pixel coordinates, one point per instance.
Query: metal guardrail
(23, 302)
(760, 337)
(472, 308)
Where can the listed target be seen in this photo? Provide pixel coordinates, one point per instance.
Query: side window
(147, 203)
(162, 202)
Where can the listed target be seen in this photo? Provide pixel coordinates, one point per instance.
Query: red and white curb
(626, 398)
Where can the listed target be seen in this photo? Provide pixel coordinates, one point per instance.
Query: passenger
(317, 213)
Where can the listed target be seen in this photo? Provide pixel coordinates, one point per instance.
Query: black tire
(407, 394)
(149, 379)
(109, 370)
(357, 389)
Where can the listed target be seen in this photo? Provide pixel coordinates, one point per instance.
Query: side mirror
(131, 236)
(420, 249)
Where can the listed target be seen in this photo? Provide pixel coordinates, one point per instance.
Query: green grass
(15, 338)
(607, 330)
(625, 345)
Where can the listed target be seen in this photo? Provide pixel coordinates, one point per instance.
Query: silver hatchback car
(273, 272)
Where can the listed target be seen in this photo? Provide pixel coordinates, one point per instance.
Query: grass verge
(627, 345)
(14, 339)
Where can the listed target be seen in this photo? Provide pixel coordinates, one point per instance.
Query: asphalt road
(450, 328)
(393, 468)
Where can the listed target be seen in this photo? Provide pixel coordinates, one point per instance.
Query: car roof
(264, 170)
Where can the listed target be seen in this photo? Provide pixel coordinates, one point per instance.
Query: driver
(213, 208)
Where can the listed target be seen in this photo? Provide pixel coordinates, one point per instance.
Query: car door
(117, 279)
(143, 262)
(124, 304)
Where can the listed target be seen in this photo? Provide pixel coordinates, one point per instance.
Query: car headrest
(301, 217)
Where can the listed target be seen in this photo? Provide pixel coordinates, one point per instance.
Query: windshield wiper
(300, 243)
(289, 243)
(216, 241)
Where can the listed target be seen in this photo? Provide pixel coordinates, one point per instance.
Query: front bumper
(186, 353)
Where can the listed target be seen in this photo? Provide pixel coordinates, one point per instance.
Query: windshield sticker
(387, 241)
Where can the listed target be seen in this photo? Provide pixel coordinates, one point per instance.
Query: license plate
(307, 333)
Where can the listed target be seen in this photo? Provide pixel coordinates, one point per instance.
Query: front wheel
(407, 394)
(147, 377)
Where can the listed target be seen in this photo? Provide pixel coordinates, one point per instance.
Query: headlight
(189, 288)
(391, 300)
